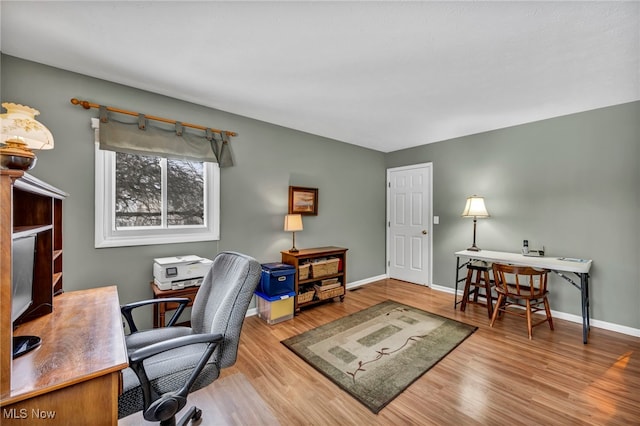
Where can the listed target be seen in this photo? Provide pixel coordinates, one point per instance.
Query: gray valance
(142, 136)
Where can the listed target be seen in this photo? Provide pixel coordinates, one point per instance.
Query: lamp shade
(293, 222)
(475, 207)
(19, 125)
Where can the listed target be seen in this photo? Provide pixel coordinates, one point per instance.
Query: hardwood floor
(496, 377)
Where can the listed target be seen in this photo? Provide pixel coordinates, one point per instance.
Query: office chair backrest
(221, 303)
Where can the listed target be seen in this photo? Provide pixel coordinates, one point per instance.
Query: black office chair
(166, 364)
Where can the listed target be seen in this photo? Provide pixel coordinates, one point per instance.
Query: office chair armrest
(129, 307)
(156, 348)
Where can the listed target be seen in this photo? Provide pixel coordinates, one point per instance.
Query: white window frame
(106, 234)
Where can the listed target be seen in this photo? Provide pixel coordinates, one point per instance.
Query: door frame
(429, 167)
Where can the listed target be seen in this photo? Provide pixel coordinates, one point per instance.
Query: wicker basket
(318, 269)
(306, 297)
(329, 294)
(332, 266)
(324, 267)
(303, 272)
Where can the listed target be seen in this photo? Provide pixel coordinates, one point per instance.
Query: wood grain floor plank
(496, 377)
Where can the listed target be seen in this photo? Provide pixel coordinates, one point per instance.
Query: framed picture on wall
(303, 201)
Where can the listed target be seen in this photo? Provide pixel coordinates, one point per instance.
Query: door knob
(424, 232)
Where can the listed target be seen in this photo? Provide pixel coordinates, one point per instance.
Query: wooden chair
(521, 286)
(474, 285)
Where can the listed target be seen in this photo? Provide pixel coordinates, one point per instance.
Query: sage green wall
(570, 183)
(254, 193)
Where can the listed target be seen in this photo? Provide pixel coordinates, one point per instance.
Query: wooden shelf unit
(28, 206)
(307, 256)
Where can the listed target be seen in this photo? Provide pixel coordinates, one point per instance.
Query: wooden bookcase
(28, 206)
(303, 287)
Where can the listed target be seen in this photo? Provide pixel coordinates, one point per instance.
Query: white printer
(172, 273)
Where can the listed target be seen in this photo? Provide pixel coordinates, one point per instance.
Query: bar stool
(478, 279)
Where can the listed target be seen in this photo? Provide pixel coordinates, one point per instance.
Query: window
(143, 200)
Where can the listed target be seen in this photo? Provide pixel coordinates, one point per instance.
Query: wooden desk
(160, 310)
(74, 376)
(559, 265)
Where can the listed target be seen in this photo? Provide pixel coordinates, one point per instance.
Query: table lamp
(293, 223)
(20, 133)
(475, 208)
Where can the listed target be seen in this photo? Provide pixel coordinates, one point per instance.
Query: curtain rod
(87, 105)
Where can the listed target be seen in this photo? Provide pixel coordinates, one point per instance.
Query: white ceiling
(383, 75)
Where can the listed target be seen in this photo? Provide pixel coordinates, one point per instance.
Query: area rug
(376, 353)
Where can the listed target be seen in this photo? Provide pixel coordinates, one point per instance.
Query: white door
(409, 223)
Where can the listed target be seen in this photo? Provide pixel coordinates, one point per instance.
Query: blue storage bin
(277, 279)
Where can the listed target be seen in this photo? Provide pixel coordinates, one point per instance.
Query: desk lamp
(293, 223)
(475, 208)
(20, 133)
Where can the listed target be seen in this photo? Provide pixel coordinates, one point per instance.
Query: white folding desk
(559, 265)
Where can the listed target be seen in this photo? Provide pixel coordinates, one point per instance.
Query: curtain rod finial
(84, 104)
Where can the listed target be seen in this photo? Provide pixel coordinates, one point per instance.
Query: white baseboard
(366, 281)
(444, 289)
(569, 317)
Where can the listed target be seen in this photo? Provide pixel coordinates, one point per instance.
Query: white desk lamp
(475, 208)
(293, 223)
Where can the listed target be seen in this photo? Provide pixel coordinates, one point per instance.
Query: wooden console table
(160, 310)
(74, 376)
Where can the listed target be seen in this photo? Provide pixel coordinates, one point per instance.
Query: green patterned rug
(376, 353)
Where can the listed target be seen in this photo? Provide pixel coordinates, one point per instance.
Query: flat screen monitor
(23, 252)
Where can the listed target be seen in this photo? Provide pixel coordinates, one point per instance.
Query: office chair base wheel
(193, 415)
(197, 415)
